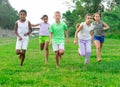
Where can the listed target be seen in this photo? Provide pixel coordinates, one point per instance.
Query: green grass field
(72, 71)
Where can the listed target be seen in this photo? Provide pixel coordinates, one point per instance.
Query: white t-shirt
(84, 34)
(23, 28)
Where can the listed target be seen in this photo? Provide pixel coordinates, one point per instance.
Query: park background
(73, 72)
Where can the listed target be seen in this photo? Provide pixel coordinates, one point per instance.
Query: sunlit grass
(72, 71)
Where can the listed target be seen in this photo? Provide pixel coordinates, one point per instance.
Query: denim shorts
(99, 38)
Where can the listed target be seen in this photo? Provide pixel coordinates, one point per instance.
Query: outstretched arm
(34, 25)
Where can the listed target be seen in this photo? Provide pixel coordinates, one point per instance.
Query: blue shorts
(99, 38)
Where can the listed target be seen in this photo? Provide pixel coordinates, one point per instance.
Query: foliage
(8, 15)
(113, 19)
(91, 6)
(81, 8)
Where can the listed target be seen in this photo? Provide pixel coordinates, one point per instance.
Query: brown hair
(88, 15)
(95, 14)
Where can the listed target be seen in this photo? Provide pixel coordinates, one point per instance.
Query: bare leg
(18, 52)
(42, 46)
(101, 45)
(61, 52)
(98, 50)
(57, 58)
(47, 51)
(22, 57)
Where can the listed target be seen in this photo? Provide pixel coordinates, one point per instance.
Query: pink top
(44, 27)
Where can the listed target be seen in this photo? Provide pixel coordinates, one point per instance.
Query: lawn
(72, 71)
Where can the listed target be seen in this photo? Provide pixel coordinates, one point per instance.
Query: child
(22, 30)
(99, 28)
(57, 36)
(84, 37)
(44, 35)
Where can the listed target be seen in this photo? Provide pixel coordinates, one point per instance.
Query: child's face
(45, 19)
(97, 17)
(88, 19)
(22, 15)
(57, 16)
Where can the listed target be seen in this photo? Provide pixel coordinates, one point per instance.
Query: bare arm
(92, 36)
(30, 28)
(50, 38)
(106, 27)
(15, 30)
(77, 30)
(34, 25)
(66, 33)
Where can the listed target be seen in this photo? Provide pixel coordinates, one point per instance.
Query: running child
(22, 30)
(99, 28)
(58, 30)
(84, 37)
(44, 35)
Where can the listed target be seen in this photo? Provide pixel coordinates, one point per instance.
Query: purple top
(44, 27)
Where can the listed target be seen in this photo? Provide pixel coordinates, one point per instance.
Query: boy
(57, 35)
(22, 30)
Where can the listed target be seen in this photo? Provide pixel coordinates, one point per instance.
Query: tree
(81, 7)
(8, 15)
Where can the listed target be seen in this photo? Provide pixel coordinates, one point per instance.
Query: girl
(44, 35)
(99, 28)
(84, 37)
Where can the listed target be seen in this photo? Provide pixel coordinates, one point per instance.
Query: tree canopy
(109, 15)
(8, 15)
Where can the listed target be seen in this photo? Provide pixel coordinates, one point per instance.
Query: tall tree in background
(8, 15)
(81, 7)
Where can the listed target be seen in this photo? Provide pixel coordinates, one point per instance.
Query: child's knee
(17, 52)
(61, 52)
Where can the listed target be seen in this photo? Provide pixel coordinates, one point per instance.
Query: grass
(72, 71)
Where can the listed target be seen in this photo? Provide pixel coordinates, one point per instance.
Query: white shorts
(57, 47)
(22, 44)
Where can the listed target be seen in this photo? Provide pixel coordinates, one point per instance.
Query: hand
(20, 38)
(75, 41)
(26, 34)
